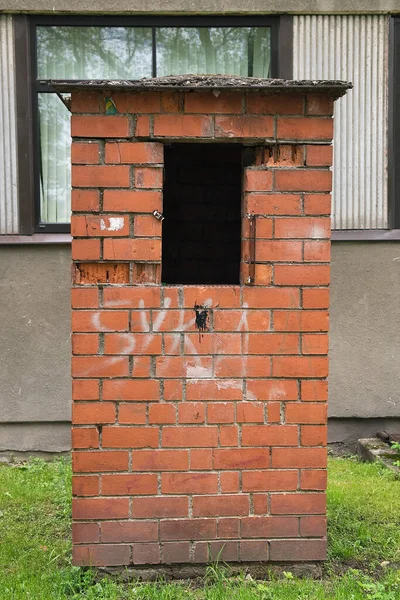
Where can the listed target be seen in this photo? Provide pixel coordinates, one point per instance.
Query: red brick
(229, 482)
(314, 391)
(138, 102)
(85, 200)
(87, 101)
(273, 343)
(131, 343)
(297, 180)
(319, 156)
(85, 533)
(304, 128)
(85, 153)
(142, 128)
(220, 413)
(300, 412)
(257, 180)
(130, 437)
(313, 526)
(135, 153)
(302, 228)
(92, 462)
(85, 344)
(162, 413)
(260, 504)
(85, 249)
(244, 127)
(299, 366)
(269, 527)
(182, 366)
(134, 484)
(93, 413)
(146, 177)
(99, 366)
(314, 344)
(137, 201)
(229, 436)
(100, 508)
(201, 460)
(274, 412)
(141, 366)
(319, 104)
(208, 103)
(171, 101)
(271, 297)
(134, 414)
(210, 389)
(189, 437)
(298, 504)
(160, 460)
(220, 506)
(269, 481)
(147, 226)
(317, 251)
(83, 389)
(173, 390)
(272, 204)
(297, 550)
(254, 550)
(301, 275)
(223, 297)
(189, 483)
(273, 389)
(199, 529)
(100, 320)
(216, 551)
(173, 320)
(176, 552)
(99, 127)
(312, 435)
(277, 251)
(317, 204)
(182, 126)
(208, 343)
(269, 435)
(129, 531)
(131, 297)
(96, 226)
(298, 458)
(242, 366)
(263, 227)
(313, 479)
(144, 508)
(100, 176)
(301, 320)
(126, 389)
(101, 555)
(132, 249)
(275, 104)
(85, 485)
(191, 412)
(241, 458)
(241, 320)
(229, 528)
(315, 298)
(249, 412)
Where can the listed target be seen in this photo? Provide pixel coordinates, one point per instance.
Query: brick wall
(189, 443)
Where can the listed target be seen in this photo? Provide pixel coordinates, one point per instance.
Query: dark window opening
(202, 209)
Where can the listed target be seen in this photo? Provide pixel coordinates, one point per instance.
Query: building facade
(353, 41)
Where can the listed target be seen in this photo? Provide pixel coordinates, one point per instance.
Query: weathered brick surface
(185, 444)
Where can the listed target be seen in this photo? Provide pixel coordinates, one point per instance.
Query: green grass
(35, 546)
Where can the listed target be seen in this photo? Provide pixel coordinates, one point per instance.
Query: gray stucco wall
(35, 343)
(203, 6)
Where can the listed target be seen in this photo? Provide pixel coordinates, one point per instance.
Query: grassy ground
(364, 544)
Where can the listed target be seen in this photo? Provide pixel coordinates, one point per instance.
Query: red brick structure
(200, 411)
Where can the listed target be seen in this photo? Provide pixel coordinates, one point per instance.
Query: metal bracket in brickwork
(252, 250)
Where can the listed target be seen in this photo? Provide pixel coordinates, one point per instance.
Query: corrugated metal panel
(8, 146)
(353, 48)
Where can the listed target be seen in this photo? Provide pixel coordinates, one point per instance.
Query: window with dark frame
(80, 48)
